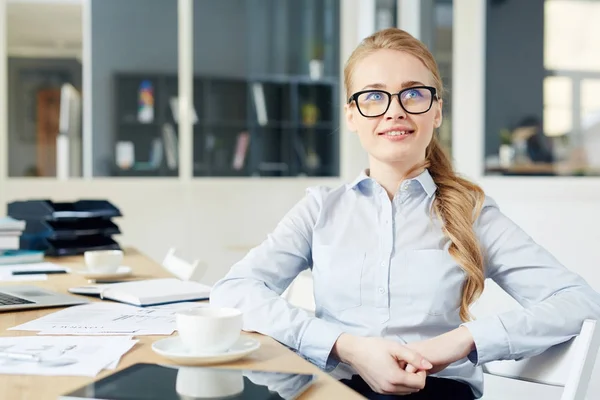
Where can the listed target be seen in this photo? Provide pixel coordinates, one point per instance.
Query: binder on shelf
(62, 229)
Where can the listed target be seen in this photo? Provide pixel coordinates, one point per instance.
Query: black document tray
(49, 210)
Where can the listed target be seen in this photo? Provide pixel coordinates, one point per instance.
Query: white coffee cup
(209, 330)
(103, 260)
(201, 383)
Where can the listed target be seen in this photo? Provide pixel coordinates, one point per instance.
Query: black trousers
(435, 389)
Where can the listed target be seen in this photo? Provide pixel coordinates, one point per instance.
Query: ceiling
(44, 28)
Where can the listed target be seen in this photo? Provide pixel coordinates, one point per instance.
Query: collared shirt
(381, 267)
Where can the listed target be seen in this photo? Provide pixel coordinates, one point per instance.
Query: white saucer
(119, 273)
(173, 349)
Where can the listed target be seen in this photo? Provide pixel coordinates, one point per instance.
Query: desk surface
(272, 356)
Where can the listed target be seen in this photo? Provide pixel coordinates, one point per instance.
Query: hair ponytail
(457, 204)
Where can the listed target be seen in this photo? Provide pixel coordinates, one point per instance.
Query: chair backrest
(182, 269)
(569, 364)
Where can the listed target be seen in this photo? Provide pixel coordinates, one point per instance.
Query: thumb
(403, 353)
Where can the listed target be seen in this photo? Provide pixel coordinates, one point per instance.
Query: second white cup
(209, 330)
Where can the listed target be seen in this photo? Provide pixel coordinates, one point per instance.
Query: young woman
(399, 254)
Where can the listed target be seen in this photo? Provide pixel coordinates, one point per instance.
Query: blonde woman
(399, 254)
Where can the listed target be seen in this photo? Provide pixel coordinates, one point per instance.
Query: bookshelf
(279, 125)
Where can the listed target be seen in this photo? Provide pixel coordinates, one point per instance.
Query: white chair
(568, 365)
(300, 292)
(182, 269)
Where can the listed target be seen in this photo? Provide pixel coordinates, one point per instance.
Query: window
(542, 108)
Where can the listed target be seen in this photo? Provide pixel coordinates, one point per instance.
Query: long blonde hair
(458, 202)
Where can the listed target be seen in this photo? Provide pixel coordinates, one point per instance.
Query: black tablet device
(165, 382)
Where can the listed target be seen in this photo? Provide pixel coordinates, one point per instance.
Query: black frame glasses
(355, 96)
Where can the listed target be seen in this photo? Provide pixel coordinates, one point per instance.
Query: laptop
(21, 297)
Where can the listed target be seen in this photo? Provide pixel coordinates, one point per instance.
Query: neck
(390, 176)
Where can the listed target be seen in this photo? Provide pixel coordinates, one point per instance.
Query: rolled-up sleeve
(555, 300)
(254, 285)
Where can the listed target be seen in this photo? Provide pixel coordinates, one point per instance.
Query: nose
(395, 111)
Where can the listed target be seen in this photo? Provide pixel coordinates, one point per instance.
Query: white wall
(212, 220)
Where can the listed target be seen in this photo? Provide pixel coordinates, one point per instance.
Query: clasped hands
(389, 367)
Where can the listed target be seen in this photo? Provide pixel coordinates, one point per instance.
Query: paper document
(8, 269)
(108, 319)
(71, 356)
(21, 278)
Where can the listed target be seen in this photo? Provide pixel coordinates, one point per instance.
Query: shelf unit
(298, 136)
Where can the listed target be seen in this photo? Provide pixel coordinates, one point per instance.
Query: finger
(410, 368)
(403, 353)
(392, 389)
(411, 380)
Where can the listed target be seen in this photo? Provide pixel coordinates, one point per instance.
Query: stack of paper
(10, 233)
(48, 355)
(102, 318)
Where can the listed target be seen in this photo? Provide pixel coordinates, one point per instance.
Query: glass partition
(543, 74)
(266, 83)
(134, 87)
(44, 51)
(266, 88)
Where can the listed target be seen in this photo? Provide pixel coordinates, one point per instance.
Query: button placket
(381, 292)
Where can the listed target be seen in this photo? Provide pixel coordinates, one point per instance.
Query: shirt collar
(424, 179)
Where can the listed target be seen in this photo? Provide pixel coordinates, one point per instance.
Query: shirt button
(405, 185)
(383, 264)
(381, 290)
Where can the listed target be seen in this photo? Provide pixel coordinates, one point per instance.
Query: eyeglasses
(414, 100)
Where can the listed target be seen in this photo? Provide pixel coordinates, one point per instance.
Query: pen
(38, 272)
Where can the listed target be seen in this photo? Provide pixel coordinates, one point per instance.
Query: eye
(374, 96)
(412, 94)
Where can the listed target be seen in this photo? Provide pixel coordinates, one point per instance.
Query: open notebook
(155, 291)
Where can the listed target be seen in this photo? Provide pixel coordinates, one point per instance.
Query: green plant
(505, 136)
(317, 51)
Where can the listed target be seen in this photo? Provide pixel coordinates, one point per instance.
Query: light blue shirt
(381, 268)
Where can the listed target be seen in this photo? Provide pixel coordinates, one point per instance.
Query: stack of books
(11, 230)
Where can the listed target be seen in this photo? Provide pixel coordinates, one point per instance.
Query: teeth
(396, 133)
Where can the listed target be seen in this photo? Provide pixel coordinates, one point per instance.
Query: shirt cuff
(317, 342)
(491, 340)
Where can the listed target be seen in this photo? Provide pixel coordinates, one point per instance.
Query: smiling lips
(396, 134)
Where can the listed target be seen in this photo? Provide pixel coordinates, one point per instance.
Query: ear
(349, 117)
(438, 118)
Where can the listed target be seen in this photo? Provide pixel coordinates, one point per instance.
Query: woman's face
(396, 137)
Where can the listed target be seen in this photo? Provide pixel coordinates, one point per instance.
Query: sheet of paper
(88, 355)
(108, 318)
(7, 269)
(21, 278)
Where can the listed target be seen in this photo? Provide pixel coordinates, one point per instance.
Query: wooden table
(272, 356)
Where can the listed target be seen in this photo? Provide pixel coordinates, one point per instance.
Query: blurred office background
(204, 121)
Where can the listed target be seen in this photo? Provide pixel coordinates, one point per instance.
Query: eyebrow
(383, 86)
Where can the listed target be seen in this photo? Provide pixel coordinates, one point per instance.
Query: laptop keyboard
(7, 299)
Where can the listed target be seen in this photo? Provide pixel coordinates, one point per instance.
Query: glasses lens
(416, 100)
(373, 103)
